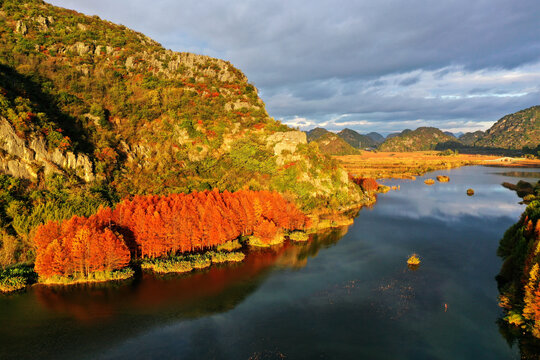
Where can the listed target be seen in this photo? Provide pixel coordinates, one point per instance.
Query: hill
(316, 133)
(423, 138)
(449, 133)
(514, 131)
(471, 138)
(376, 137)
(355, 139)
(333, 144)
(92, 112)
(393, 135)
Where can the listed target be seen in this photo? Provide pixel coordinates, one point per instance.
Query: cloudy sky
(377, 65)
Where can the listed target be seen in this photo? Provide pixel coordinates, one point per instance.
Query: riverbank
(204, 252)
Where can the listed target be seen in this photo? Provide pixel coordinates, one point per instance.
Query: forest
(150, 227)
(519, 278)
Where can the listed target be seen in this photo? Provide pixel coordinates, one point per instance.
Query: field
(408, 165)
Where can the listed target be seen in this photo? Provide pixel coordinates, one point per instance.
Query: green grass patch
(97, 276)
(162, 266)
(258, 242)
(221, 257)
(188, 262)
(16, 278)
(229, 246)
(298, 236)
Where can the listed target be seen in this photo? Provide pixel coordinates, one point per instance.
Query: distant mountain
(514, 131)
(393, 135)
(471, 138)
(333, 144)
(423, 138)
(355, 139)
(376, 137)
(316, 133)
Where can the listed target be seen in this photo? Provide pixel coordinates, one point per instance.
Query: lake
(347, 294)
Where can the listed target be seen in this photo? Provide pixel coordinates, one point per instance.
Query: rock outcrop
(27, 159)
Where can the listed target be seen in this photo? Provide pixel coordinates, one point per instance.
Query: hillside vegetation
(333, 144)
(421, 139)
(92, 112)
(316, 133)
(514, 131)
(357, 140)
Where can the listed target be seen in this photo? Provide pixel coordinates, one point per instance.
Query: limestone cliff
(27, 158)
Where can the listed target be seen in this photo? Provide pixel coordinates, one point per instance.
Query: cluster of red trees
(152, 226)
(79, 246)
(367, 184)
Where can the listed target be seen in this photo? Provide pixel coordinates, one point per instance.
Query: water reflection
(520, 174)
(217, 289)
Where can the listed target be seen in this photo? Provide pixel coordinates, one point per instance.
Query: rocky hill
(355, 139)
(514, 131)
(91, 112)
(423, 138)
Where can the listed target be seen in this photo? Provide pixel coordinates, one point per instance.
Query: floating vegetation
(93, 277)
(429, 181)
(443, 178)
(229, 246)
(221, 257)
(298, 236)
(470, 192)
(186, 263)
(413, 260)
(264, 242)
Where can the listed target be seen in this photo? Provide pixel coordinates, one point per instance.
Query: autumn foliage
(79, 246)
(367, 184)
(153, 226)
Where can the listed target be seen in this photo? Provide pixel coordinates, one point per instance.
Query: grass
(221, 257)
(162, 266)
(97, 276)
(16, 278)
(10, 284)
(189, 262)
(258, 242)
(337, 220)
(298, 236)
(406, 165)
(229, 246)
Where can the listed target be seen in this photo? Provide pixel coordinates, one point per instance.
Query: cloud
(392, 60)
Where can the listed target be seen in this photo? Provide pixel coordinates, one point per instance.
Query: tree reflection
(217, 289)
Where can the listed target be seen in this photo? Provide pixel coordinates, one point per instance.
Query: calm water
(347, 294)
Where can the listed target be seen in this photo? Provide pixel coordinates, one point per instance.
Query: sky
(378, 65)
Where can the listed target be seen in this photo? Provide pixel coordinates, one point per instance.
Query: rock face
(286, 141)
(27, 159)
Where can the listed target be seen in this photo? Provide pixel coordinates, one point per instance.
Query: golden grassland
(408, 165)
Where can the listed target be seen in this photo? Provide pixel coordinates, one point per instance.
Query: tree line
(154, 226)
